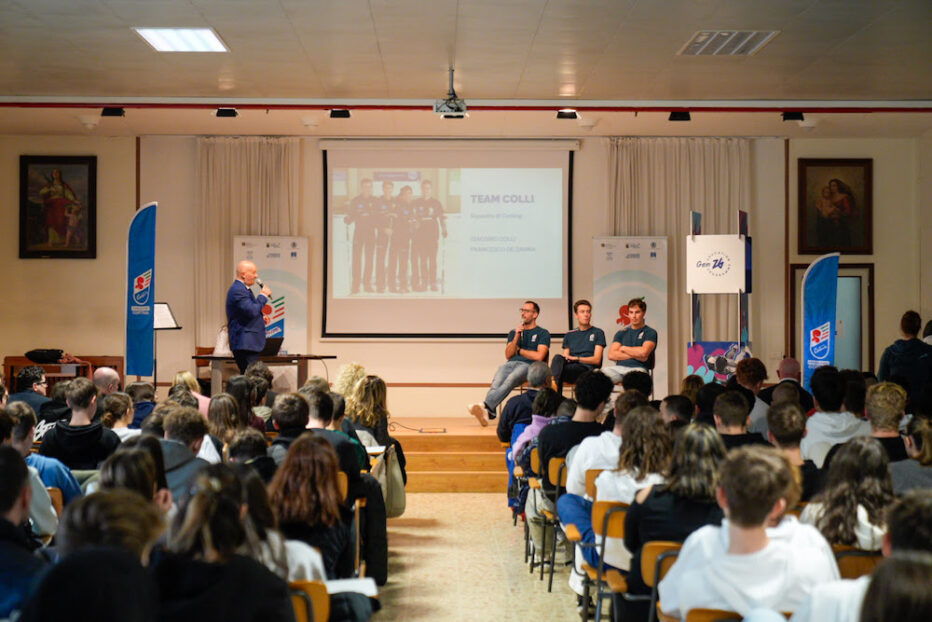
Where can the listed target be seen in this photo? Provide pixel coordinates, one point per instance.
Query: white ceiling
(554, 51)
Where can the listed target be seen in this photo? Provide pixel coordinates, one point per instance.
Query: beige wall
(72, 304)
(77, 304)
(896, 254)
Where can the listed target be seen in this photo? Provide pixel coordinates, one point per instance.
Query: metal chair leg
(553, 558)
(543, 551)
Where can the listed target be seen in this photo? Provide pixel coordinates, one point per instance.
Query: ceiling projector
(452, 107)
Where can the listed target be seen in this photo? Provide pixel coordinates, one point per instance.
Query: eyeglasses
(526, 310)
(44, 382)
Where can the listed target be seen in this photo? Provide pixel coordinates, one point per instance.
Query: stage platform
(451, 454)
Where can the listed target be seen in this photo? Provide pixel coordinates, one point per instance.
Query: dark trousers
(363, 251)
(566, 371)
(244, 358)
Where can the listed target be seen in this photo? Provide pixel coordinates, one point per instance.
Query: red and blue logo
(273, 314)
(820, 339)
(141, 287)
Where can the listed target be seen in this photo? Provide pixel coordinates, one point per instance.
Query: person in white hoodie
(910, 530)
(858, 489)
(742, 565)
(829, 425)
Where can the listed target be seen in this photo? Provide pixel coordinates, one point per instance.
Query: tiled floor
(457, 557)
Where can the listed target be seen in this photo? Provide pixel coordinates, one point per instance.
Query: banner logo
(820, 339)
(716, 264)
(141, 287)
(273, 314)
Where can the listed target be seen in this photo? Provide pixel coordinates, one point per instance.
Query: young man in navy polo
(632, 347)
(582, 348)
(526, 344)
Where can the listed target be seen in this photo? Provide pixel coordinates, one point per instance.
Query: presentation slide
(416, 243)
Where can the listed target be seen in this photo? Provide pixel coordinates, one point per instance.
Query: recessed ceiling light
(339, 113)
(226, 113)
(680, 115)
(112, 112)
(567, 113)
(182, 39)
(793, 115)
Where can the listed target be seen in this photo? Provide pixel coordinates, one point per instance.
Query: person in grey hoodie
(909, 358)
(184, 432)
(829, 425)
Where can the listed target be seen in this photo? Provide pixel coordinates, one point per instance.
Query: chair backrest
(342, 484)
(556, 472)
(711, 615)
(310, 600)
(657, 558)
(608, 518)
(535, 460)
(591, 474)
(58, 501)
(854, 563)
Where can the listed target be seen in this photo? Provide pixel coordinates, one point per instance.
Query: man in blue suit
(244, 315)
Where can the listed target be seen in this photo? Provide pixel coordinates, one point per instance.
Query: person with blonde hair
(690, 387)
(366, 408)
(188, 380)
(347, 378)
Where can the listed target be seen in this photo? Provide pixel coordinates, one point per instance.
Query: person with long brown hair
(305, 495)
(118, 415)
(673, 510)
(223, 419)
(850, 509)
(202, 574)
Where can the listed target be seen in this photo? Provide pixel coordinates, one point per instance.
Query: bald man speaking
(244, 315)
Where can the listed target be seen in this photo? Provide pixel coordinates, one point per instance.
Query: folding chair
(310, 601)
(58, 501)
(533, 483)
(520, 476)
(556, 473)
(358, 504)
(591, 476)
(854, 562)
(608, 521)
(657, 558)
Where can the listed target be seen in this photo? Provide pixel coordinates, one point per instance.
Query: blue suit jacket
(244, 318)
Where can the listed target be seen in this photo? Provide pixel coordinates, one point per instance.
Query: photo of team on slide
(393, 234)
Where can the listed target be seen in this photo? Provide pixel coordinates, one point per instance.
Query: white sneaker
(478, 411)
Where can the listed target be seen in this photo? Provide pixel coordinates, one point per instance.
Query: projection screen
(445, 238)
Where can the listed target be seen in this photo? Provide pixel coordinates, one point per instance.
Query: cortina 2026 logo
(141, 287)
(716, 264)
(820, 338)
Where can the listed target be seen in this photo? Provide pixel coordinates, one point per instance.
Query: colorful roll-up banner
(819, 298)
(140, 292)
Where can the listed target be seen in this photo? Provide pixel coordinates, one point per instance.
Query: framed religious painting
(58, 207)
(835, 206)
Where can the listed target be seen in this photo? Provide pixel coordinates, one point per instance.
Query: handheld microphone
(259, 282)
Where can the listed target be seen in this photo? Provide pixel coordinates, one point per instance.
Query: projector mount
(452, 107)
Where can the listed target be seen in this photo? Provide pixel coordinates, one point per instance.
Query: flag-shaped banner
(140, 292)
(820, 293)
(273, 313)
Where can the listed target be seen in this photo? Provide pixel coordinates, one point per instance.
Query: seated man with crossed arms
(632, 347)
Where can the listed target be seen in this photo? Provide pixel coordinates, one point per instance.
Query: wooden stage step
(464, 458)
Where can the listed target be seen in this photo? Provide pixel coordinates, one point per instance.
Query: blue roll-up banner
(819, 298)
(140, 292)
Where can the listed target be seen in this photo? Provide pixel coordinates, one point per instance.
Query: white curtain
(655, 183)
(248, 186)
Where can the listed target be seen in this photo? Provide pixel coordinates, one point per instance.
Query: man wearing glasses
(31, 387)
(526, 344)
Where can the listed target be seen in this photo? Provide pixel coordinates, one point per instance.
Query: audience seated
(305, 496)
(223, 420)
(244, 393)
(367, 410)
(740, 566)
(42, 516)
(555, 440)
(751, 373)
(134, 469)
(677, 411)
(290, 417)
(184, 433)
(153, 446)
(787, 392)
(601, 452)
(258, 369)
(344, 427)
(916, 472)
(787, 425)
(118, 415)
(789, 373)
(886, 406)
(673, 510)
(855, 392)
(31, 387)
(55, 410)
(250, 448)
(18, 566)
(829, 425)
(690, 388)
(899, 590)
(731, 420)
(261, 387)
(543, 410)
(80, 444)
(320, 415)
(143, 396)
(187, 380)
(850, 509)
(52, 472)
(517, 409)
(910, 531)
(201, 575)
(705, 402)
